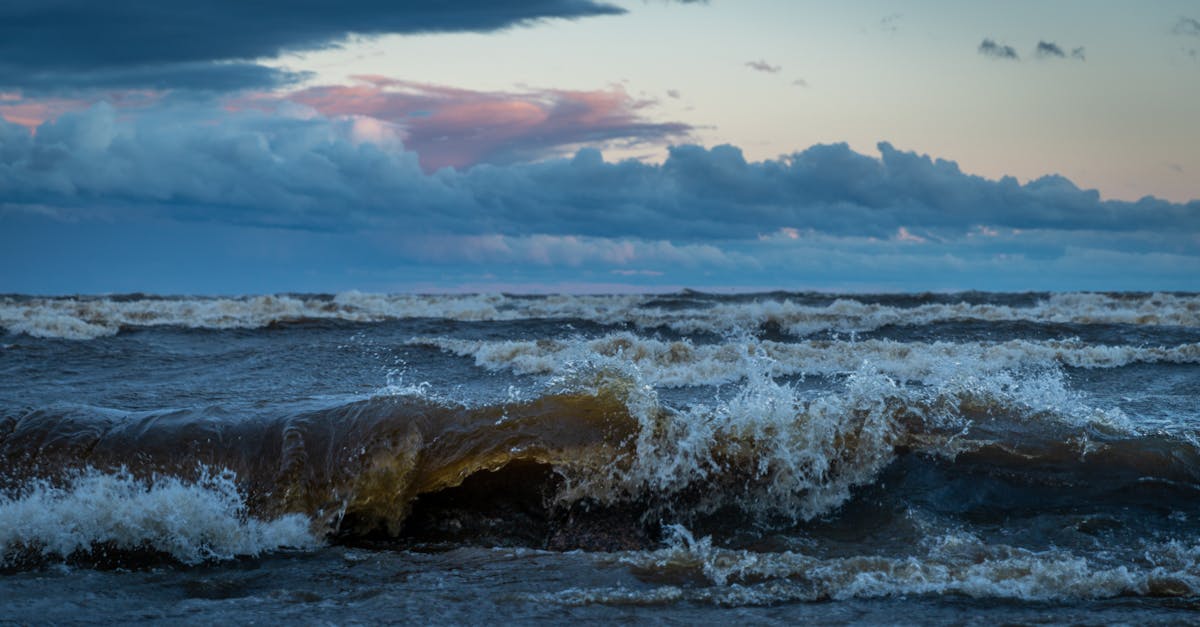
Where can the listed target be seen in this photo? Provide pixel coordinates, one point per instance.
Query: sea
(683, 458)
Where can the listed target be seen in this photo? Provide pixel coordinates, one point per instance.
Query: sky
(598, 146)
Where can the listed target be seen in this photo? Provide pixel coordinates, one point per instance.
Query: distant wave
(800, 315)
(684, 363)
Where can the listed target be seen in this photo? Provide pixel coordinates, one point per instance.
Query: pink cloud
(32, 112)
(903, 235)
(454, 127)
(445, 126)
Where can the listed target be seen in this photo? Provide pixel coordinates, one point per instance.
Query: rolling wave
(681, 363)
(799, 315)
(595, 461)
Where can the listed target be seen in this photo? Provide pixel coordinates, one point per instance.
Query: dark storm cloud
(828, 188)
(212, 77)
(990, 48)
(310, 172)
(64, 44)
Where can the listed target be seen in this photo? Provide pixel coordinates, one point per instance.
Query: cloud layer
(112, 197)
(297, 168)
(68, 45)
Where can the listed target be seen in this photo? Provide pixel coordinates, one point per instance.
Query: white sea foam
(86, 318)
(950, 563)
(798, 455)
(684, 363)
(191, 521)
(849, 315)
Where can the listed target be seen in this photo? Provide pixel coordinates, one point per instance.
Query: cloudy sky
(598, 145)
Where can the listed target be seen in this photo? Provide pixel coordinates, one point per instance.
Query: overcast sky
(589, 145)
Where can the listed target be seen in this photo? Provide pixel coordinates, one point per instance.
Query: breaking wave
(679, 363)
(795, 314)
(596, 460)
(950, 563)
(93, 513)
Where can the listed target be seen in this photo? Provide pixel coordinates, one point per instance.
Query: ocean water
(682, 458)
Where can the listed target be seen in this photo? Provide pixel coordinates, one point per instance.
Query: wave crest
(773, 452)
(681, 363)
(799, 315)
(94, 511)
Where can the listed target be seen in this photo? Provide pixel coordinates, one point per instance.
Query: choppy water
(685, 457)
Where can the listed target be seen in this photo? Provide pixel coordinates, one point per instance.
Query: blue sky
(576, 145)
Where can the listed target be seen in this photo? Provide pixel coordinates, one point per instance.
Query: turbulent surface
(707, 455)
